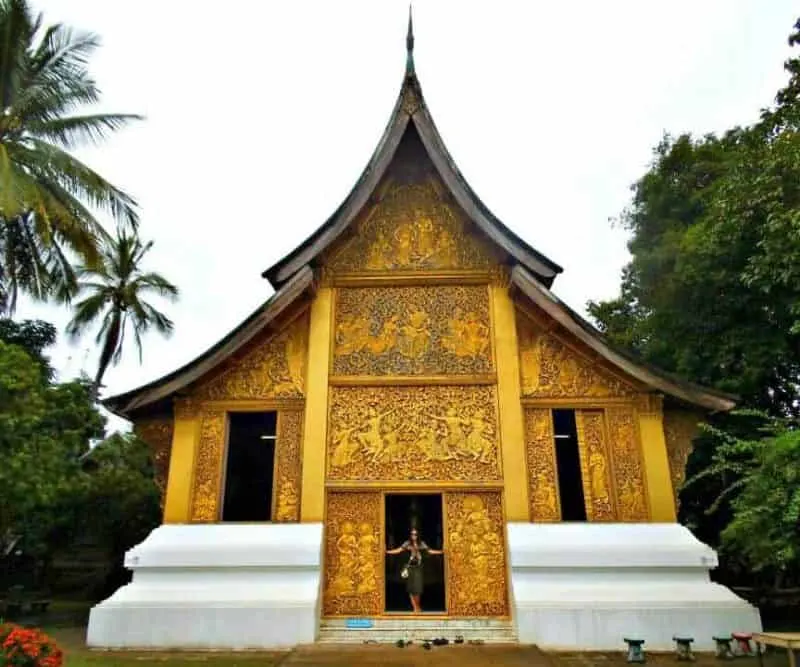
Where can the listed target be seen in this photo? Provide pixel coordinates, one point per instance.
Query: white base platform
(587, 586)
(232, 586)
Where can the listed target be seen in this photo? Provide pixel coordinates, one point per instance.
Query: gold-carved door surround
(474, 545)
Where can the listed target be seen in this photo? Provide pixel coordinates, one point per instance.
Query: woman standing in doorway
(412, 572)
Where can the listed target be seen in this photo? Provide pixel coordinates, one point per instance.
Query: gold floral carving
(595, 469)
(413, 433)
(440, 330)
(549, 369)
(628, 465)
(353, 555)
(412, 228)
(288, 465)
(680, 429)
(157, 433)
(542, 471)
(208, 466)
(476, 556)
(269, 368)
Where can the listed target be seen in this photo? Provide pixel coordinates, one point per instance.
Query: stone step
(388, 630)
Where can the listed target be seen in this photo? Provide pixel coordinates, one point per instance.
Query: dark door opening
(423, 511)
(249, 466)
(568, 465)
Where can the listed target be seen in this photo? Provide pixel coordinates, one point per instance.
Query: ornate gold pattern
(413, 433)
(597, 484)
(353, 555)
(288, 465)
(628, 465)
(442, 330)
(476, 583)
(270, 368)
(412, 228)
(542, 471)
(549, 369)
(157, 433)
(208, 468)
(680, 429)
(186, 408)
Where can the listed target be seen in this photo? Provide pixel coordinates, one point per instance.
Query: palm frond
(86, 312)
(75, 131)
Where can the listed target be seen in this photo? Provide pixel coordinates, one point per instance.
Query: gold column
(656, 461)
(312, 499)
(512, 428)
(185, 437)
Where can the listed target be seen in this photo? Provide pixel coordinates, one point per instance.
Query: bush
(27, 647)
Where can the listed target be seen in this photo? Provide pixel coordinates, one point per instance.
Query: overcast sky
(261, 116)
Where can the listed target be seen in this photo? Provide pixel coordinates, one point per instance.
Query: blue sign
(358, 623)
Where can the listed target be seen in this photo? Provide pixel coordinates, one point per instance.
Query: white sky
(261, 116)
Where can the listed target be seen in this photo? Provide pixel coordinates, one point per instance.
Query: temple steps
(418, 629)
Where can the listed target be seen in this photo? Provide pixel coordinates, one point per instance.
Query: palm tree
(47, 195)
(115, 289)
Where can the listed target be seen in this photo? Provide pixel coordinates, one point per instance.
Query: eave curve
(411, 107)
(123, 405)
(661, 381)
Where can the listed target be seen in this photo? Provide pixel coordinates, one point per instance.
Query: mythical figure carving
(542, 471)
(353, 555)
(413, 433)
(412, 331)
(269, 368)
(594, 466)
(207, 469)
(680, 429)
(628, 465)
(412, 228)
(476, 555)
(549, 369)
(288, 465)
(157, 433)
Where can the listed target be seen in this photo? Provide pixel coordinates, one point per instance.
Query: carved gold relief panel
(628, 464)
(208, 466)
(423, 433)
(551, 369)
(412, 228)
(273, 367)
(595, 466)
(157, 433)
(353, 555)
(391, 331)
(476, 554)
(542, 471)
(680, 429)
(288, 466)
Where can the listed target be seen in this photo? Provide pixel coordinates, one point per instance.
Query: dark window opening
(568, 465)
(424, 512)
(249, 466)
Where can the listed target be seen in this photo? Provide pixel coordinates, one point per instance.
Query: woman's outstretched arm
(394, 552)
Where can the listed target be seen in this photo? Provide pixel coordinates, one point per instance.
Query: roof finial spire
(410, 45)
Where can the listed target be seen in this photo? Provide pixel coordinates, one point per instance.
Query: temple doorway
(422, 511)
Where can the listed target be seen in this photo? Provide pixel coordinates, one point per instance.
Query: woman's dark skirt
(415, 582)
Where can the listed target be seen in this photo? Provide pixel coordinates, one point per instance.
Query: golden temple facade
(413, 347)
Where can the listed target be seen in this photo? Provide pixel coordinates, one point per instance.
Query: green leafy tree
(116, 291)
(47, 196)
(712, 292)
(758, 479)
(44, 430)
(33, 336)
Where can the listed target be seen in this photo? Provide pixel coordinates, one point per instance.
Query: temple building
(413, 369)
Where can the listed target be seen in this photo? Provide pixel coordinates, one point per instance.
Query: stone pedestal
(234, 586)
(585, 586)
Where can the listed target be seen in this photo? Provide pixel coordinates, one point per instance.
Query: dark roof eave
(544, 268)
(123, 404)
(709, 399)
